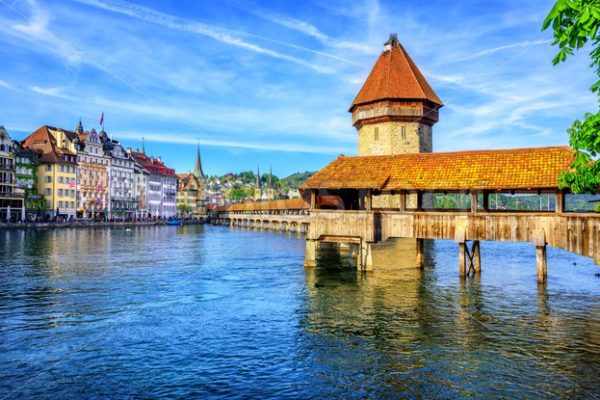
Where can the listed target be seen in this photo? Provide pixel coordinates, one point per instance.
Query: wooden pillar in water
(539, 240)
(420, 253)
(365, 256)
(462, 265)
(476, 257)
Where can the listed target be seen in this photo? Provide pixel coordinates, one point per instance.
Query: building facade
(191, 191)
(161, 186)
(123, 203)
(57, 170)
(140, 187)
(11, 197)
(27, 165)
(93, 200)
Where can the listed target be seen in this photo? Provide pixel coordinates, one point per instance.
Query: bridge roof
(288, 204)
(519, 169)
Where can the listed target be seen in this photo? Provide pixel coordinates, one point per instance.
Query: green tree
(184, 208)
(575, 23)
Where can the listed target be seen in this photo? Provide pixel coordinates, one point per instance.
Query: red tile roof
(44, 143)
(153, 165)
(289, 204)
(530, 168)
(395, 76)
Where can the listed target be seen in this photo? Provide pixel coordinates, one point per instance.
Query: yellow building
(57, 172)
(190, 192)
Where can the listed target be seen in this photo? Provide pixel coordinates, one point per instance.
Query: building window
(48, 192)
(403, 132)
(376, 133)
(48, 167)
(60, 192)
(48, 179)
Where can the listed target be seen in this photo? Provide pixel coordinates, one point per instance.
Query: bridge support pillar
(469, 261)
(420, 253)
(310, 253)
(542, 264)
(365, 257)
(539, 239)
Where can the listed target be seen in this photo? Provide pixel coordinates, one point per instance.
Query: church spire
(79, 128)
(198, 173)
(143, 146)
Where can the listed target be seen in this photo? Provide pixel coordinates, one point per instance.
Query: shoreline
(88, 224)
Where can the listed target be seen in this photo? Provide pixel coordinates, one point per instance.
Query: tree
(575, 23)
(184, 209)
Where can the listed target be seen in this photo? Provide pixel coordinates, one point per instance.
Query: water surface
(202, 311)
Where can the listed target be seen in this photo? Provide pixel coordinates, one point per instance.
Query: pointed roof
(198, 173)
(395, 77)
(43, 141)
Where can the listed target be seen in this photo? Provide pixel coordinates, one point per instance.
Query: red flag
(102, 118)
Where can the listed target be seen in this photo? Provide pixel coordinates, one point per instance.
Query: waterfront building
(122, 203)
(161, 186)
(93, 200)
(26, 171)
(57, 170)
(11, 197)
(191, 191)
(140, 185)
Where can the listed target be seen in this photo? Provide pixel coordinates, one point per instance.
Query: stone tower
(396, 108)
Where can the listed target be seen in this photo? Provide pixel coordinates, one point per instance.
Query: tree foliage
(576, 23)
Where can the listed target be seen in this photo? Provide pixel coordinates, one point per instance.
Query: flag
(72, 184)
(100, 186)
(102, 119)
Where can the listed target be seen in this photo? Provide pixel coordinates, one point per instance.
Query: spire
(79, 128)
(257, 177)
(198, 173)
(270, 177)
(143, 146)
(394, 77)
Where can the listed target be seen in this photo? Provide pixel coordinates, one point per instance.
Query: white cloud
(213, 32)
(181, 138)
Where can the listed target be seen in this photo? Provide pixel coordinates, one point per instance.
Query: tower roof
(395, 77)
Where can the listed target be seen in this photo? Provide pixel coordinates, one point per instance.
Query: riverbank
(90, 224)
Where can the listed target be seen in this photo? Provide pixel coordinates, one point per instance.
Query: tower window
(403, 132)
(376, 133)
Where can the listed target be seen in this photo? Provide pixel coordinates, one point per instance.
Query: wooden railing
(350, 224)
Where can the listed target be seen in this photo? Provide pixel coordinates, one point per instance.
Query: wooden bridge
(358, 202)
(277, 215)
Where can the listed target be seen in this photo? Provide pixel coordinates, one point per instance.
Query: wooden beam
(559, 202)
(474, 202)
(462, 266)
(368, 200)
(402, 200)
(313, 199)
(476, 256)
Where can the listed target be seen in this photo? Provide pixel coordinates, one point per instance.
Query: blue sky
(270, 83)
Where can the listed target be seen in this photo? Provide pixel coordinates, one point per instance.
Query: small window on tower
(376, 133)
(403, 132)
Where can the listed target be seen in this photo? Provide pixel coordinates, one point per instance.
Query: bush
(597, 208)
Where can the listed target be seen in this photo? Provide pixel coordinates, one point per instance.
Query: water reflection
(423, 336)
(218, 312)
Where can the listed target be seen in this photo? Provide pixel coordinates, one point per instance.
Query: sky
(269, 84)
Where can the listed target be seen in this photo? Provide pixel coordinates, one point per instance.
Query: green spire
(198, 173)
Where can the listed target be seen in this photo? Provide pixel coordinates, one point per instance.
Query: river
(215, 312)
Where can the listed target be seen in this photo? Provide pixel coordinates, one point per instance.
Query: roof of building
(288, 204)
(524, 169)
(395, 77)
(43, 141)
(153, 165)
